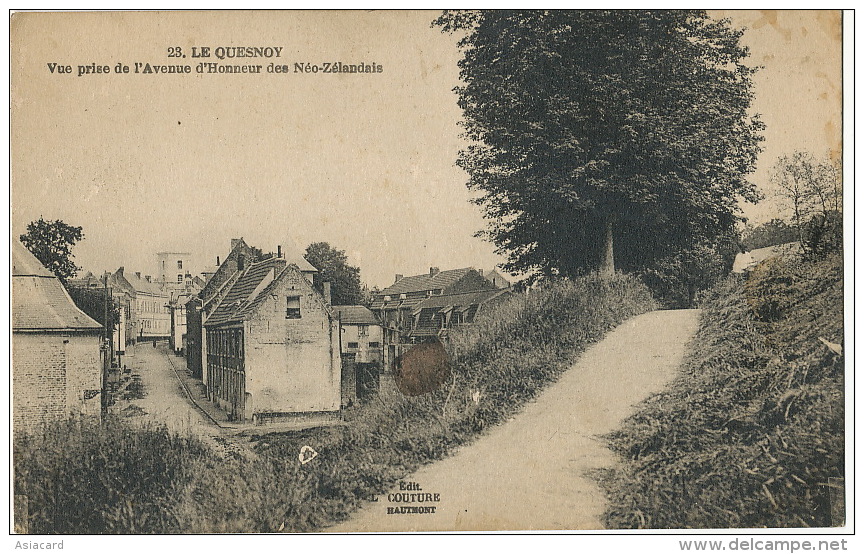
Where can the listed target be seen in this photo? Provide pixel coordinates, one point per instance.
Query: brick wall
(50, 374)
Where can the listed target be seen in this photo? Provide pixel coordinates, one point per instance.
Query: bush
(83, 478)
(751, 434)
(677, 279)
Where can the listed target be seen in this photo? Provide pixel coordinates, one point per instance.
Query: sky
(366, 162)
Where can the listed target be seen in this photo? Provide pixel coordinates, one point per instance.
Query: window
(374, 344)
(179, 264)
(179, 277)
(363, 330)
(353, 345)
(292, 308)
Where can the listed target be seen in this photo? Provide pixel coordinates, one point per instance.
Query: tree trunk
(607, 258)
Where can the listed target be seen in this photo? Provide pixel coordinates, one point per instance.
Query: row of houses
(265, 342)
(149, 309)
(423, 308)
(268, 345)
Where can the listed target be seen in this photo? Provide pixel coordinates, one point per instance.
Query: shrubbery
(751, 434)
(90, 479)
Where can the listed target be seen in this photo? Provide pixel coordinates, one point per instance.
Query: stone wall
(292, 365)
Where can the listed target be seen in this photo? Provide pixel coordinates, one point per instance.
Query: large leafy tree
(51, 242)
(332, 265)
(604, 139)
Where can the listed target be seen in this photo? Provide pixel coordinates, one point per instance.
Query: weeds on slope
(751, 434)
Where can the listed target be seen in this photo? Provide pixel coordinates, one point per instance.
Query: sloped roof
(356, 315)
(25, 264)
(465, 299)
(418, 283)
(141, 285)
(86, 280)
(302, 264)
(182, 299)
(237, 299)
(39, 301)
(397, 304)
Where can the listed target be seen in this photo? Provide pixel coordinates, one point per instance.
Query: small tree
(332, 266)
(51, 242)
(812, 192)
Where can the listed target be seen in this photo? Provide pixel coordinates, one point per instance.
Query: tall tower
(172, 267)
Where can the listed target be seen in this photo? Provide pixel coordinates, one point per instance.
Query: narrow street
(532, 473)
(164, 400)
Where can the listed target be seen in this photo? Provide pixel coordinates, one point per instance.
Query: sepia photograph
(416, 271)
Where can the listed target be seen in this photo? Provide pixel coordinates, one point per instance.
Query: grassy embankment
(751, 434)
(83, 478)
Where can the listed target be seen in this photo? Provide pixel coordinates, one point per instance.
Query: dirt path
(530, 473)
(165, 402)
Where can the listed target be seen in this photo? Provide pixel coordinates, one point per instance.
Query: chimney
(235, 242)
(279, 251)
(147, 278)
(138, 274)
(217, 261)
(398, 277)
(327, 296)
(433, 271)
(480, 271)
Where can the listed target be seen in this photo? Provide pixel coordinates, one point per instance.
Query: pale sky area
(365, 162)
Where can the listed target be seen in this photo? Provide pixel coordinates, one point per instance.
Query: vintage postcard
(423, 271)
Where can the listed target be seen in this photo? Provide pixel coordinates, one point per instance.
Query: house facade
(177, 341)
(151, 307)
(194, 337)
(124, 294)
(437, 315)
(148, 316)
(56, 361)
(362, 336)
(271, 345)
(218, 284)
(494, 276)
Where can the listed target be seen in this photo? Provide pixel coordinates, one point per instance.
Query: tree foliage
(590, 129)
(770, 233)
(812, 192)
(51, 242)
(92, 302)
(332, 266)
